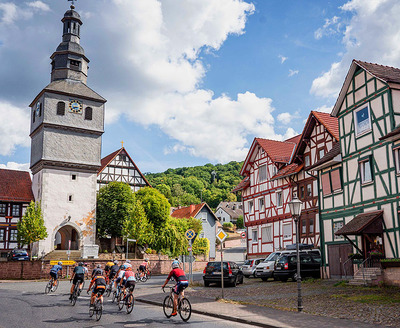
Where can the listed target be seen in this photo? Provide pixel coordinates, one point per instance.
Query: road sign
(243, 235)
(189, 249)
(189, 234)
(221, 235)
(70, 262)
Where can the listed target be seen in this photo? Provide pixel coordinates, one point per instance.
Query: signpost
(190, 235)
(243, 235)
(221, 236)
(70, 262)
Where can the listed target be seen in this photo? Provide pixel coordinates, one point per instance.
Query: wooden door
(337, 256)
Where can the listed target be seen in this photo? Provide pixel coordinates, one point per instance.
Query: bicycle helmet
(128, 261)
(80, 264)
(146, 260)
(60, 263)
(175, 265)
(98, 266)
(115, 262)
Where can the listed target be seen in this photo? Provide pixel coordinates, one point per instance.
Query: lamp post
(295, 208)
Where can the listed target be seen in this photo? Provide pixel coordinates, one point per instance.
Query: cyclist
(181, 283)
(120, 274)
(128, 264)
(54, 271)
(113, 270)
(99, 286)
(109, 264)
(128, 279)
(143, 267)
(79, 276)
(97, 270)
(86, 271)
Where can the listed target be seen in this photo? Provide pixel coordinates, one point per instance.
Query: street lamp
(295, 208)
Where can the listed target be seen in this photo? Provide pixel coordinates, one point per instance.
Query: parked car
(286, 266)
(18, 255)
(265, 269)
(249, 267)
(233, 275)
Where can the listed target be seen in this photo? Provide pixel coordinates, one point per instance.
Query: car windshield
(248, 262)
(283, 259)
(272, 257)
(20, 252)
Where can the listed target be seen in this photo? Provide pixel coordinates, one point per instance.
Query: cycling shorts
(78, 277)
(130, 284)
(99, 289)
(112, 275)
(180, 286)
(142, 268)
(54, 275)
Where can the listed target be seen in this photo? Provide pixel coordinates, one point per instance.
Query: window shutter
(336, 180)
(326, 185)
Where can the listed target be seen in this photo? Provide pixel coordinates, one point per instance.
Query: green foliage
(201, 246)
(190, 185)
(114, 203)
(239, 222)
(228, 225)
(31, 228)
(137, 226)
(170, 239)
(155, 205)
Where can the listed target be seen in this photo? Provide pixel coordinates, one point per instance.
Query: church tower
(67, 122)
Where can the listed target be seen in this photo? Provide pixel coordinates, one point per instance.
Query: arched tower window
(88, 113)
(61, 108)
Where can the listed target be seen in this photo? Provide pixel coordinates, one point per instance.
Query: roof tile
(15, 186)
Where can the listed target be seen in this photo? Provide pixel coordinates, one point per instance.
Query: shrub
(201, 246)
(228, 225)
(239, 222)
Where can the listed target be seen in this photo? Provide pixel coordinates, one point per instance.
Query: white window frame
(261, 204)
(362, 171)
(306, 160)
(254, 235)
(365, 130)
(262, 173)
(287, 236)
(267, 233)
(280, 198)
(251, 206)
(335, 227)
(396, 155)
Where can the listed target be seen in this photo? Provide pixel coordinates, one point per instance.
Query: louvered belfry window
(61, 108)
(88, 113)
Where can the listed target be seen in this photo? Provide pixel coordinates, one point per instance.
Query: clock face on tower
(75, 106)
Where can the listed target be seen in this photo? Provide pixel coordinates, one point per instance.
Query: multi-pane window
(287, 231)
(251, 206)
(366, 170)
(311, 226)
(2, 234)
(321, 153)
(16, 210)
(254, 235)
(279, 200)
(302, 194)
(3, 209)
(362, 120)
(13, 235)
(261, 204)
(266, 234)
(309, 190)
(303, 226)
(307, 226)
(337, 226)
(262, 171)
(307, 160)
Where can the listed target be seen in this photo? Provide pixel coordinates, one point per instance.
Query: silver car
(249, 267)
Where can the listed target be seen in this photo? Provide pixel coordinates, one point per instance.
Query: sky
(191, 82)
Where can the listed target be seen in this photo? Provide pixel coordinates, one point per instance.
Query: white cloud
(39, 5)
(283, 58)
(332, 26)
(372, 35)
(8, 13)
(287, 118)
(293, 72)
(324, 109)
(15, 166)
(290, 133)
(14, 131)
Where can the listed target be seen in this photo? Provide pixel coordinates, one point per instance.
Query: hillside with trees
(191, 185)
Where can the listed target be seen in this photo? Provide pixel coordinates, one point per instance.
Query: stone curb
(215, 315)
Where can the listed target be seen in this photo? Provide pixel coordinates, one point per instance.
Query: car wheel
(254, 275)
(241, 280)
(206, 284)
(234, 284)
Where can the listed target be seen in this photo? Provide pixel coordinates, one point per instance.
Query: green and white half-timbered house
(359, 178)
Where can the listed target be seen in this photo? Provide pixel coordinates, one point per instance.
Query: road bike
(128, 300)
(116, 294)
(97, 307)
(109, 288)
(51, 286)
(142, 277)
(76, 292)
(184, 308)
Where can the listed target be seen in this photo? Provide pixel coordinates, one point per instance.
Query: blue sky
(192, 82)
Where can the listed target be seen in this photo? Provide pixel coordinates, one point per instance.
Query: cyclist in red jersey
(181, 283)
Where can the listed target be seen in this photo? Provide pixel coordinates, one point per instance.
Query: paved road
(24, 304)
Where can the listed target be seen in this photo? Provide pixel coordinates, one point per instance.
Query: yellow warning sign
(64, 262)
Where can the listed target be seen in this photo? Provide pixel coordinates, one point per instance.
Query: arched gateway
(66, 234)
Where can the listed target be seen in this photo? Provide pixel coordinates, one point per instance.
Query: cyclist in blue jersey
(79, 276)
(54, 271)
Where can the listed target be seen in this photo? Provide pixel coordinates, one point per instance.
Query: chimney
(191, 208)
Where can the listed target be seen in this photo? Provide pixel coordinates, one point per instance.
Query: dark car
(18, 255)
(232, 274)
(286, 266)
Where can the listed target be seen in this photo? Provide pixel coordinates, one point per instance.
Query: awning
(364, 223)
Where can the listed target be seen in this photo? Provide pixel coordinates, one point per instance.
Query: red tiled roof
(242, 185)
(385, 73)
(294, 139)
(278, 151)
(187, 212)
(288, 170)
(15, 186)
(330, 123)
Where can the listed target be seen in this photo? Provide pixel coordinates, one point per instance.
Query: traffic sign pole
(190, 263)
(222, 273)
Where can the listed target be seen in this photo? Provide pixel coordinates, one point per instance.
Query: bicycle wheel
(121, 301)
(108, 291)
(144, 278)
(91, 311)
(137, 276)
(54, 288)
(99, 309)
(48, 287)
(114, 298)
(168, 306)
(185, 309)
(129, 303)
(148, 274)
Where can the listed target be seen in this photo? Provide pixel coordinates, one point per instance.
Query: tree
(137, 226)
(114, 203)
(155, 205)
(239, 222)
(31, 228)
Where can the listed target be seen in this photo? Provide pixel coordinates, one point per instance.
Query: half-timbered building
(119, 166)
(15, 196)
(359, 177)
(267, 217)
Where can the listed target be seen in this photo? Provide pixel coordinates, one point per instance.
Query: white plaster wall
(57, 186)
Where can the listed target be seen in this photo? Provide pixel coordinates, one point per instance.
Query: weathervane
(72, 5)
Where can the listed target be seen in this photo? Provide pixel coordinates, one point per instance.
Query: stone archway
(64, 235)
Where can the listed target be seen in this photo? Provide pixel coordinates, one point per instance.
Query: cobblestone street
(375, 305)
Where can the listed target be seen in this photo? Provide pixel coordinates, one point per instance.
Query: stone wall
(41, 269)
(391, 276)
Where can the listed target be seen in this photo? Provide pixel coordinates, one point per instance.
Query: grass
(341, 283)
(376, 298)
